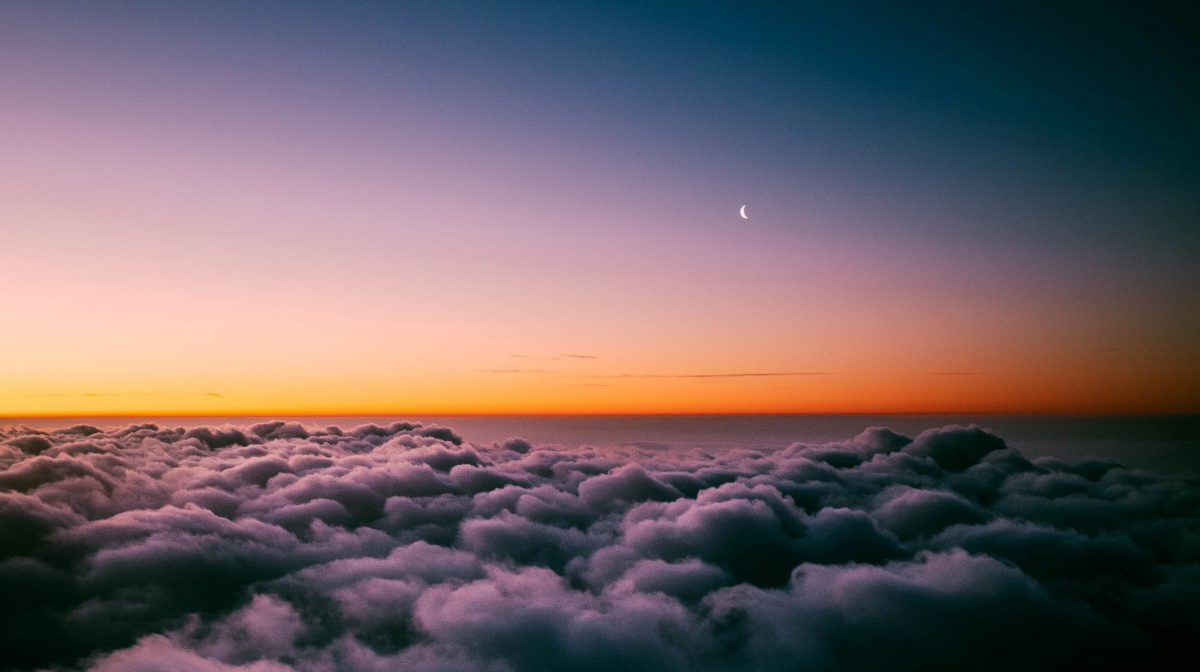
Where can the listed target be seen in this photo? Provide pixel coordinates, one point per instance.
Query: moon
(742, 212)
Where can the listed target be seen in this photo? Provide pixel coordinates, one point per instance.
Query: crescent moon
(742, 212)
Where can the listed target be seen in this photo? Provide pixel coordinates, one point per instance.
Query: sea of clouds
(274, 548)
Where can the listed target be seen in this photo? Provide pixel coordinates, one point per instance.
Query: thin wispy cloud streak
(752, 374)
(557, 358)
(278, 547)
(756, 374)
(111, 394)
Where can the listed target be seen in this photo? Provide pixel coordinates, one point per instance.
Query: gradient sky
(532, 207)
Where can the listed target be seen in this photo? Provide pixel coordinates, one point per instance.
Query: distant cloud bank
(274, 548)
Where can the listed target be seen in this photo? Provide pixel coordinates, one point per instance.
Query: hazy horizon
(1167, 444)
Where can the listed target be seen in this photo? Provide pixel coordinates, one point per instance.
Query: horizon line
(607, 414)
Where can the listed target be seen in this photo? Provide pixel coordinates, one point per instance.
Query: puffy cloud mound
(278, 547)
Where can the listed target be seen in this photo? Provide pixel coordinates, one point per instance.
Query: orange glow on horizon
(488, 394)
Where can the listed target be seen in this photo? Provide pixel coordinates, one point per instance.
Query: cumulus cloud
(279, 547)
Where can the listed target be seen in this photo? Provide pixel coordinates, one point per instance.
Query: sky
(528, 207)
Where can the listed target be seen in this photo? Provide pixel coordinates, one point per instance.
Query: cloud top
(278, 547)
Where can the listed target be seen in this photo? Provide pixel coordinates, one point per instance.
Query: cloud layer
(275, 547)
